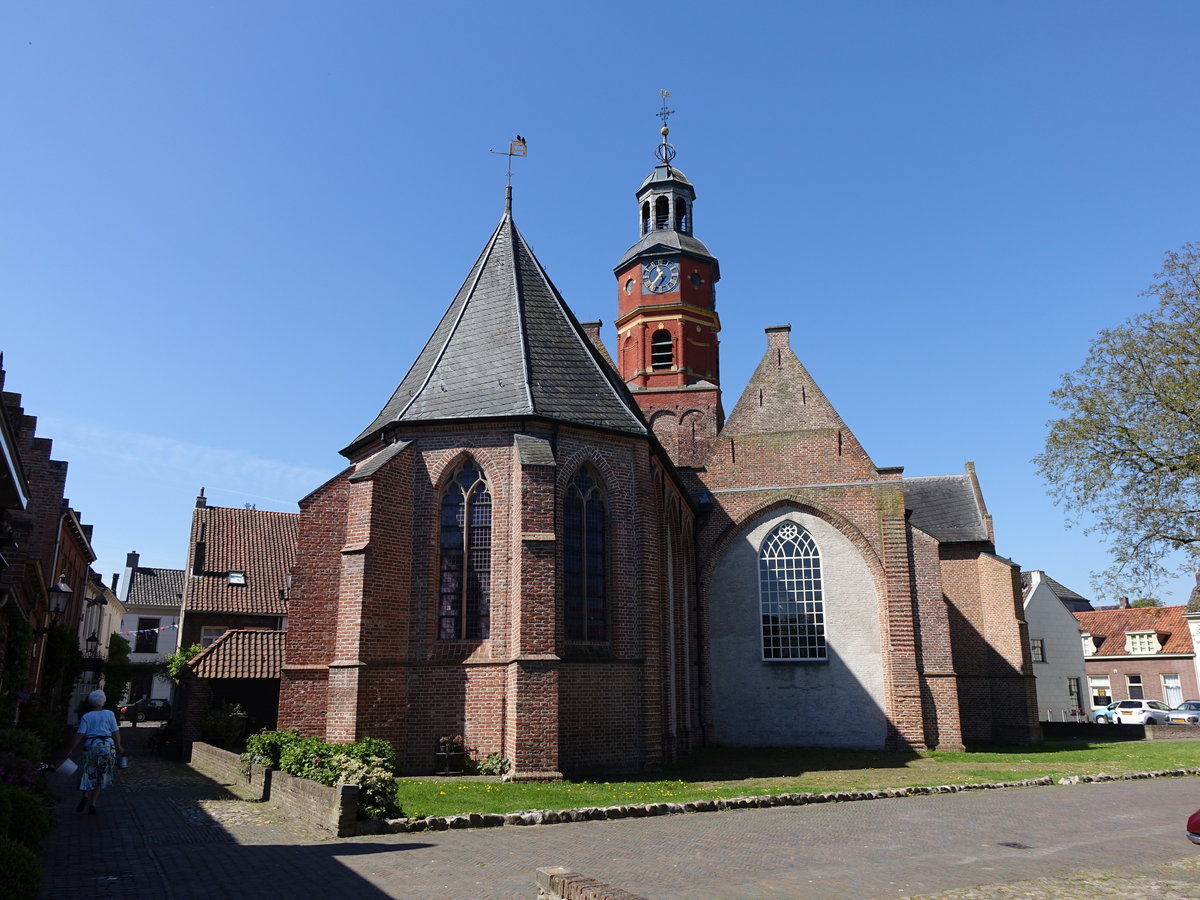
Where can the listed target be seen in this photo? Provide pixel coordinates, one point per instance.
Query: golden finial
(665, 152)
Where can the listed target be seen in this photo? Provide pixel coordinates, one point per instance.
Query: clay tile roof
(1108, 628)
(259, 543)
(241, 653)
(155, 587)
(509, 346)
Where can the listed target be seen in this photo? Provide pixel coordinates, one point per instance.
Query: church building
(573, 558)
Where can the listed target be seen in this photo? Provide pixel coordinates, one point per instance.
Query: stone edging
(594, 813)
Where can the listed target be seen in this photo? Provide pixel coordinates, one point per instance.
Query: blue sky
(227, 228)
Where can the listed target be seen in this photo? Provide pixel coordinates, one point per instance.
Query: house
(235, 607)
(1055, 648)
(102, 613)
(45, 558)
(1139, 653)
(153, 600)
(573, 559)
(238, 567)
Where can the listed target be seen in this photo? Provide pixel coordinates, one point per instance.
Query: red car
(1194, 827)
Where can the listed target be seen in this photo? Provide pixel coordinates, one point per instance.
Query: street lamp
(56, 601)
(93, 644)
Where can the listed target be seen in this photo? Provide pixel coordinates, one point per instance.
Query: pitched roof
(241, 653)
(259, 543)
(945, 507)
(509, 346)
(1108, 627)
(155, 587)
(1071, 600)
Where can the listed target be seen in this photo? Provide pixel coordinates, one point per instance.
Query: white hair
(97, 698)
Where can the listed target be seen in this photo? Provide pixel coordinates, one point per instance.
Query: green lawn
(714, 773)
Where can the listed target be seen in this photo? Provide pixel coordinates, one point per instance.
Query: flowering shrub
(368, 763)
(16, 771)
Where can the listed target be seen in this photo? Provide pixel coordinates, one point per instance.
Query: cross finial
(665, 152)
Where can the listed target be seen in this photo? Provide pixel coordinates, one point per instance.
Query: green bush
(22, 870)
(29, 817)
(225, 726)
(22, 743)
(494, 764)
(368, 763)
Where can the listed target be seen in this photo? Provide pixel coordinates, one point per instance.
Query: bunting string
(148, 630)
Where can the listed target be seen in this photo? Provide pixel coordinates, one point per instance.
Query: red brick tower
(667, 324)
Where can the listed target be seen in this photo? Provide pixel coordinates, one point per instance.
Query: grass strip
(714, 773)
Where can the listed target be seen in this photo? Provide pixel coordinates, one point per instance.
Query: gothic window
(661, 350)
(790, 598)
(465, 570)
(662, 213)
(585, 589)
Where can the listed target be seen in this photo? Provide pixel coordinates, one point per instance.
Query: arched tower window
(681, 215)
(465, 569)
(661, 350)
(646, 217)
(662, 213)
(585, 585)
(789, 593)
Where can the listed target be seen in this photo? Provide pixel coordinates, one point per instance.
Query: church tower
(667, 324)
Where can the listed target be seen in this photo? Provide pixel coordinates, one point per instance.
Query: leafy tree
(174, 662)
(1145, 602)
(116, 670)
(1125, 456)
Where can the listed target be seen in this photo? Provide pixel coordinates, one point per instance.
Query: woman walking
(101, 737)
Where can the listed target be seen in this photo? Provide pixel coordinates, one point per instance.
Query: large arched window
(789, 593)
(465, 571)
(585, 585)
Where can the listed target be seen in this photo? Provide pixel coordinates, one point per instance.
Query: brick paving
(165, 832)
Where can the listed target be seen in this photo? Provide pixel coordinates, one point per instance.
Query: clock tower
(667, 351)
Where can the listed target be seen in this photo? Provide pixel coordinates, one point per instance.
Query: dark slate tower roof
(509, 346)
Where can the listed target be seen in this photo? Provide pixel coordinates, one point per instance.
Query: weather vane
(516, 147)
(664, 151)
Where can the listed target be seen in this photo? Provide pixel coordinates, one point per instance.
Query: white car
(1141, 712)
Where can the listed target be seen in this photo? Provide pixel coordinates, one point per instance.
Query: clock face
(660, 276)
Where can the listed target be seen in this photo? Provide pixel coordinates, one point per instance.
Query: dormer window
(1142, 643)
(1089, 644)
(237, 578)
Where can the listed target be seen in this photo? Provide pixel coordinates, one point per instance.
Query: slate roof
(1071, 600)
(154, 587)
(260, 543)
(509, 346)
(666, 241)
(1108, 627)
(241, 653)
(945, 507)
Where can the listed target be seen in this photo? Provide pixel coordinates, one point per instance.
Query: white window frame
(790, 596)
(210, 633)
(1089, 644)
(1172, 692)
(1037, 649)
(1142, 643)
(1099, 686)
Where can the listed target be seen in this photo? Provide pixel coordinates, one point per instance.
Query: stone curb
(594, 813)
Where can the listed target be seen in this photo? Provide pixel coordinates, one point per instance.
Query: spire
(665, 152)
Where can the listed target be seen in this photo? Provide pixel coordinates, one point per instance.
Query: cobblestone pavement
(165, 832)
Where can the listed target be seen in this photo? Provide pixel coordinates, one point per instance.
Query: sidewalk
(154, 803)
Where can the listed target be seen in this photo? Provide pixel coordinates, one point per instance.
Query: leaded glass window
(585, 592)
(790, 598)
(465, 570)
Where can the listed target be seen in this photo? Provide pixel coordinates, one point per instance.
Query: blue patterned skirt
(99, 762)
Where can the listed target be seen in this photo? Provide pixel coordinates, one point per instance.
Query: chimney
(779, 336)
(1123, 603)
(115, 580)
(198, 553)
(131, 559)
(201, 503)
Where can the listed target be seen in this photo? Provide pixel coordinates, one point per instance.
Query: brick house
(1139, 653)
(574, 560)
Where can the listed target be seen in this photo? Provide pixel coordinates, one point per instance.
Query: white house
(1056, 647)
(152, 600)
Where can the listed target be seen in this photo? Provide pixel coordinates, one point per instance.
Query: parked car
(1194, 827)
(1141, 712)
(144, 709)
(1106, 714)
(1186, 713)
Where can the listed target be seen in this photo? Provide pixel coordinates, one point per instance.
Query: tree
(173, 663)
(1125, 456)
(1145, 602)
